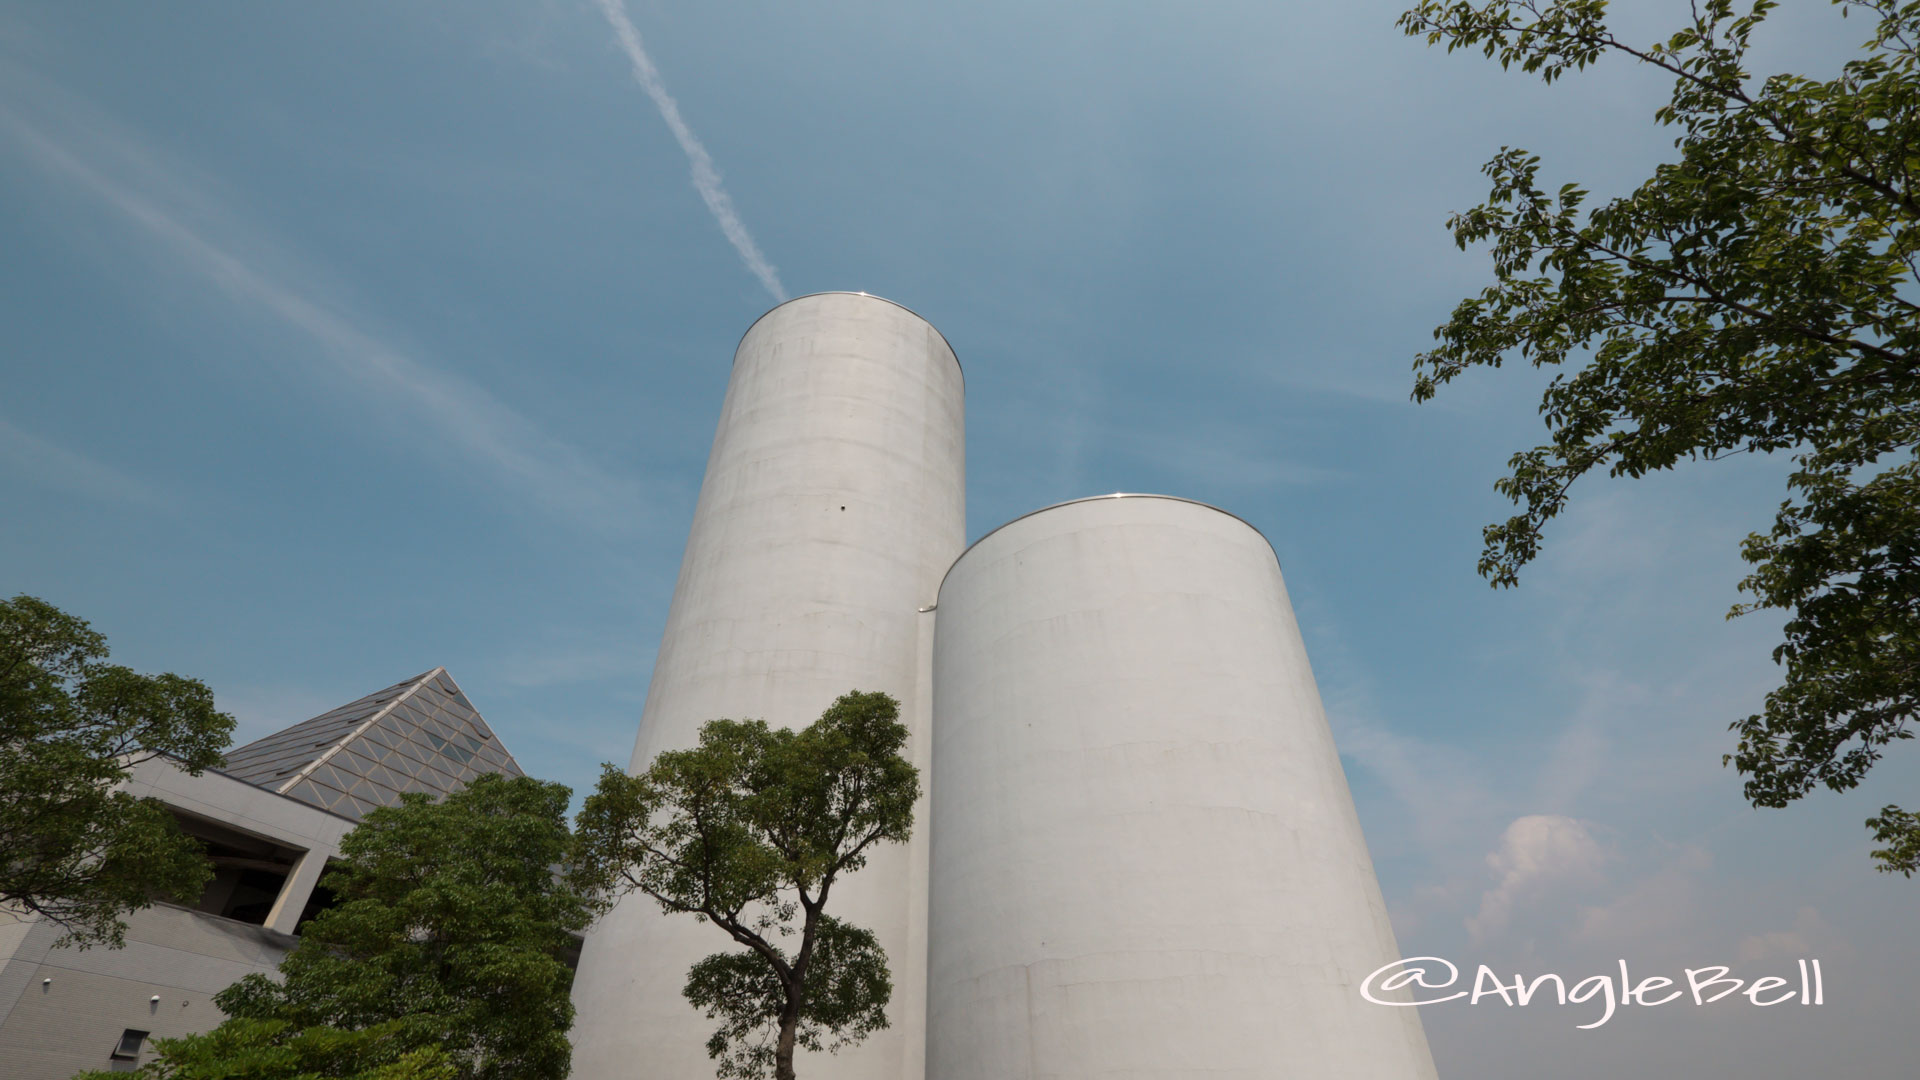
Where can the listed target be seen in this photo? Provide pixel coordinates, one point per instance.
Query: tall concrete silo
(833, 503)
(1146, 862)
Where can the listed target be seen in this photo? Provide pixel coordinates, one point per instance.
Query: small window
(129, 1048)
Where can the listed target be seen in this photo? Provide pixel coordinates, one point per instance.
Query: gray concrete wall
(1145, 862)
(833, 502)
(63, 1010)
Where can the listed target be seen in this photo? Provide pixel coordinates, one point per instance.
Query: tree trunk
(783, 1050)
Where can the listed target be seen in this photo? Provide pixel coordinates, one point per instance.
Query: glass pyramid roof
(418, 735)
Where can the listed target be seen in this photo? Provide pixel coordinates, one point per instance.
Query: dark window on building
(322, 899)
(248, 871)
(254, 892)
(129, 1048)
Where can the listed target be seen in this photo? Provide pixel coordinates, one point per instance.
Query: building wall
(1145, 860)
(63, 1010)
(237, 804)
(833, 502)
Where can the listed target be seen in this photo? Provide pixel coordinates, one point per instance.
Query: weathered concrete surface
(833, 503)
(63, 1010)
(1146, 862)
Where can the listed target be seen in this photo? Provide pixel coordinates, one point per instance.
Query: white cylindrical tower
(1146, 862)
(833, 503)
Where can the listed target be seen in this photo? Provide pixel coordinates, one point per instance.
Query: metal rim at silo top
(1099, 498)
(849, 292)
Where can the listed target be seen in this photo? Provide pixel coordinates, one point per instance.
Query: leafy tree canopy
(442, 958)
(1756, 295)
(71, 727)
(750, 831)
(270, 1050)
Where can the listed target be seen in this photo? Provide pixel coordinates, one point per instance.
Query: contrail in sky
(706, 178)
(463, 415)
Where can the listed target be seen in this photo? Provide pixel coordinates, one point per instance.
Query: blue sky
(349, 340)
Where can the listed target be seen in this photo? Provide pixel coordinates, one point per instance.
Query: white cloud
(1442, 790)
(1811, 936)
(1661, 911)
(1536, 852)
(706, 178)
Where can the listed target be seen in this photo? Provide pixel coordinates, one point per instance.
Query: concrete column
(833, 503)
(1146, 864)
(297, 890)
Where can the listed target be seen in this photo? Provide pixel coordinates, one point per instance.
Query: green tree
(444, 952)
(270, 1050)
(72, 848)
(750, 831)
(1756, 295)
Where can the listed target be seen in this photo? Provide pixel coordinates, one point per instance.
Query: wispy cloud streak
(706, 178)
(464, 416)
(56, 467)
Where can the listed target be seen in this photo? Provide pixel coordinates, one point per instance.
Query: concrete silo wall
(833, 503)
(1146, 862)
